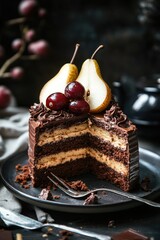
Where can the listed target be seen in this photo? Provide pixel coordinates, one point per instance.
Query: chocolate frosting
(115, 116)
(112, 117)
(38, 112)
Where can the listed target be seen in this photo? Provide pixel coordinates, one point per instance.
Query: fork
(81, 194)
(11, 218)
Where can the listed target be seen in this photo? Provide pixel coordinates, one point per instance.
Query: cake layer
(63, 157)
(108, 136)
(64, 145)
(79, 136)
(83, 141)
(81, 129)
(62, 133)
(81, 166)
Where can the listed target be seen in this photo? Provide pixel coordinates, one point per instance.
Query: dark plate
(109, 202)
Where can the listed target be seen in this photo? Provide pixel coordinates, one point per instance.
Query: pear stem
(101, 46)
(75, 52)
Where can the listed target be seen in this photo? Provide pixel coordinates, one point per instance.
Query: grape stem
(16, 21)
(12, 60)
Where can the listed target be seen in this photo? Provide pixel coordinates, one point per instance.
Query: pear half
(66, 74)
(98, 93)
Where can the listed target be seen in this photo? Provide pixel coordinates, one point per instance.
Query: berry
(79, 106)
(16, 44)
(17, 73)
(27, 8)
(39, 48)
(30, 35)
(5, 97)
(57, 101)
(74, 90)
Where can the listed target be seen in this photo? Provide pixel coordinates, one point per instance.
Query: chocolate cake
(78, 127)
(69, 145)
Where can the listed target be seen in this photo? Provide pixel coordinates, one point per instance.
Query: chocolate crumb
(23, 176)
(46, 194)
(78, 185)
(65, 234)
(56, 197)
(145, 184)
(91, 199)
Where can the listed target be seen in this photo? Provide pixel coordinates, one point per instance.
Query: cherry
(57, 101)
(28, 7)
(74, 90)
(79, 106)
(39, 48)
(5, 97)
(17, 73)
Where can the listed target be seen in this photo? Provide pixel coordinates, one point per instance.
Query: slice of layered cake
(78, 127)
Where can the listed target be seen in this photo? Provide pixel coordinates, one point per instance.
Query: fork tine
(63, 186)
(60, 181)
(59, 186)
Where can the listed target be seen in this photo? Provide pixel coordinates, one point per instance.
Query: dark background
(128, 44)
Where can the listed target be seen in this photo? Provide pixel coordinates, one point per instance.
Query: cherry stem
(101, 46)
(75, 52)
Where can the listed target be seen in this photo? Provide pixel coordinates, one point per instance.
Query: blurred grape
(21, 35)
(5, 96)
(30, 35)
(17, 73)
(27, 8)
(42, 12)
(39, 48)
(17, 44)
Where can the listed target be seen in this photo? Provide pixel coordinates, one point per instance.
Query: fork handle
(130, 196)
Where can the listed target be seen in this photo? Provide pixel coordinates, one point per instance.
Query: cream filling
(110, 137)
(60, 158)
(77, 131)
(60, 134)
(110, 162)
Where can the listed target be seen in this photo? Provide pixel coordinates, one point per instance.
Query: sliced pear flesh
(98, 93)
